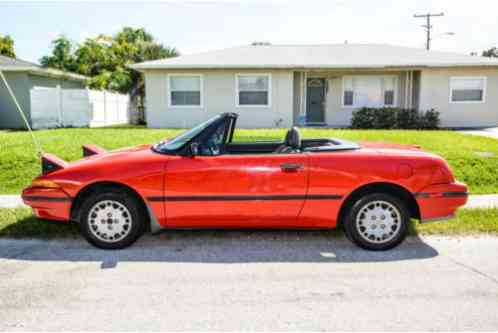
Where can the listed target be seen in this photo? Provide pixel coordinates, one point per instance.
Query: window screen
(467, 89)
(185, 90)
(369, 91)
(253, 90)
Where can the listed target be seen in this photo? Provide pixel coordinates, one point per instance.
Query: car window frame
(184, 149)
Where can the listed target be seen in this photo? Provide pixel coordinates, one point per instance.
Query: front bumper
(440, 202)
(48, 203)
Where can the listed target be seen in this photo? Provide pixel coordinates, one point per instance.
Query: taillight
(441, 176)
(44, 183)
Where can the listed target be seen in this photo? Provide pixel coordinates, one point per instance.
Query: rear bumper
(50, 204)
(440, 202)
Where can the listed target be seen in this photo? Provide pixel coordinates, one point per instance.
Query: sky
(200, 25)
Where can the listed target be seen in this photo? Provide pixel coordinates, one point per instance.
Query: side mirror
(194, 149)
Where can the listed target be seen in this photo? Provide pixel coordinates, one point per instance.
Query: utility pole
(428, 26)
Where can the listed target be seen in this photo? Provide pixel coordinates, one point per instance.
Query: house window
(389, 87)
(467, 89)
(370, 91)
(348, 92)
(253, 90)
(185, 90)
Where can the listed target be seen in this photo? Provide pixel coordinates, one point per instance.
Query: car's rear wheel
(111, 220)
(377, 221)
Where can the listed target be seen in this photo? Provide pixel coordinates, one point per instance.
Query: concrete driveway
(232, 280)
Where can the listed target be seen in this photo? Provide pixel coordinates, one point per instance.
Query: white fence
(56, 107)
(109, 108)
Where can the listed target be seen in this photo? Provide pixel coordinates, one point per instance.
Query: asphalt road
(231, 280)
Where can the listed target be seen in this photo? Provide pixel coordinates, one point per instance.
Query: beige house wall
(219, 95)
(435, 93)
(430, 88)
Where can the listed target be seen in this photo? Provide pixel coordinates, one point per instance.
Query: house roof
(332, 56)
(8, 64)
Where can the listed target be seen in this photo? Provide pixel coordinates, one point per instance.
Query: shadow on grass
(200, 246)
(31, 227)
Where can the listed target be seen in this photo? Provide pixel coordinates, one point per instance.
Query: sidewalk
(11, 201)
(487, 132)
(475, 201)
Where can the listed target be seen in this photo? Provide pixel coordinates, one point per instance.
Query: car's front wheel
(377, 221)
(111, 219)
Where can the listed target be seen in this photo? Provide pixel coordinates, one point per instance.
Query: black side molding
(245, 197)
(46, 199)
(455, 194)
(425, 195)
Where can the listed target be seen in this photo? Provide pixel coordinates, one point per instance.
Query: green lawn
(19, 223)
(474, 160)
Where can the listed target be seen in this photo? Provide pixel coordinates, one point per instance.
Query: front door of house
(315, 101)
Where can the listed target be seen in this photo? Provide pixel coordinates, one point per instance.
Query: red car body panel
(250, 190)
(146, 177)
(50, 204)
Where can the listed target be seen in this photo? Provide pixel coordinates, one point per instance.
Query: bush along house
(312, 85)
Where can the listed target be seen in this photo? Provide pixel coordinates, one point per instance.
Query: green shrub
(430, 119)
(407, 119)
(394, 118)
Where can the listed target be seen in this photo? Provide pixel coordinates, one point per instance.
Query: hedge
(394, 118)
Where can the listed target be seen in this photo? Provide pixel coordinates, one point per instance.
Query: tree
(152, 51)
(105, 59)
(62, 55)
(492, 53)
(95, 56)
(7, 46)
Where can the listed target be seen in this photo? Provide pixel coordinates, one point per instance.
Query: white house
(282, 85)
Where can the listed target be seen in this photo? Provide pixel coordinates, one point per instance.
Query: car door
(265, 190)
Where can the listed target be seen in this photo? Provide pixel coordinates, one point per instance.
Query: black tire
(135, 218)
(358, 233)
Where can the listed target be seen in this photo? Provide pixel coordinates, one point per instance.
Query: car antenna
(38, 147)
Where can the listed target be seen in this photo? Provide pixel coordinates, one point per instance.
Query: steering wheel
(213, 144)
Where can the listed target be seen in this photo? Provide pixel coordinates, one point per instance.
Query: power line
(428, 26)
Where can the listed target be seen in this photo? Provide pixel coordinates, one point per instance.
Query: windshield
(185, 137)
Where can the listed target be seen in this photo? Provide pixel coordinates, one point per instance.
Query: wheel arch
(90, 189)
(382, 187)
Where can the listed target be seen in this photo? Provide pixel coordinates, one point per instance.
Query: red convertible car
(204, 179)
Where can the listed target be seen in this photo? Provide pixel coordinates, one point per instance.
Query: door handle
(290, 167)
